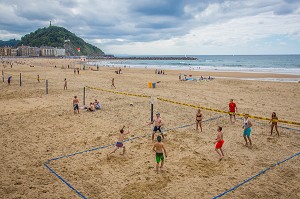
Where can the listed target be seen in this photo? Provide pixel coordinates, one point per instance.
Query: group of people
(158, 147)
(93, 105)
(159, 72)
(157, 122)
(118, 71)
(76, 70)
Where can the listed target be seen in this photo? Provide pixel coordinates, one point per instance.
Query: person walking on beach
(78, 71)
(232, 110)
(247, 130)
(120, 141)
(65, 85)
(219, 142)
(113, 83)
(76, 105)
(273, 121)
(160, 151)
(199, 120)
(9, 79)
(157, 126)
(38, 78)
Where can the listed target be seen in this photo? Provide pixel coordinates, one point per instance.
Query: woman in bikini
(199, 120)
(274, 120)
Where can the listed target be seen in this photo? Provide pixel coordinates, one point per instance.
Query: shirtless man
(157, 126)
(76, 105)
(92, 107)
(219, 142)
(160, 150)
(120, 141)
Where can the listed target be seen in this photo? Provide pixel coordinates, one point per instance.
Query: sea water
(275, 64)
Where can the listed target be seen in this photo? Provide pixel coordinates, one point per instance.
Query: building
(14, 52)
(59, 52)
(47, 51)
(5, 51)
(28, 51)
(33, 51)
(23, 51)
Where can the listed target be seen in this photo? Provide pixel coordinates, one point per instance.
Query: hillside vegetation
(60, 37)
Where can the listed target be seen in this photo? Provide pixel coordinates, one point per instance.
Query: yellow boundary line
(194, 106)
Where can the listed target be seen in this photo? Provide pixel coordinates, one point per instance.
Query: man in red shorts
(232, 110)
(219, 142)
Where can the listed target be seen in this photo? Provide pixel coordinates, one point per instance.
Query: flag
(78, 49)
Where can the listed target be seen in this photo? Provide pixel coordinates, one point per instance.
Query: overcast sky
(164, 27)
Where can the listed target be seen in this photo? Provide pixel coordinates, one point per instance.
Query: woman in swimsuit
(199, 120)
(274, 120)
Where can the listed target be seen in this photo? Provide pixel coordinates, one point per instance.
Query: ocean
(275, 64)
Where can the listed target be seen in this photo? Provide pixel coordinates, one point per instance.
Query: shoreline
(293, 72)
(260, 76)
(220, 74)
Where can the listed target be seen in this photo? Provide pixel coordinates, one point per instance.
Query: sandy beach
(36, 127)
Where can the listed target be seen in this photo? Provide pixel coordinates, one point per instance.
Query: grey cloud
(132, 20)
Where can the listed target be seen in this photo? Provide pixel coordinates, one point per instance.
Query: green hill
(11, 43)
(55, 36)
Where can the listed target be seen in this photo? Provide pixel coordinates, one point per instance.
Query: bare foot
(221, 158)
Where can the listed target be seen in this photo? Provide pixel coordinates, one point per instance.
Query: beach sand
(36, 127)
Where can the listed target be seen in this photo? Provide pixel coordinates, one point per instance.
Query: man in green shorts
(160, 150)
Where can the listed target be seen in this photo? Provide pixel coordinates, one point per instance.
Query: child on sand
(160, 150)
(219, 142)
(76, 105)
(274, 120)
(199, 120)
(247, 129)
(120, 141)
